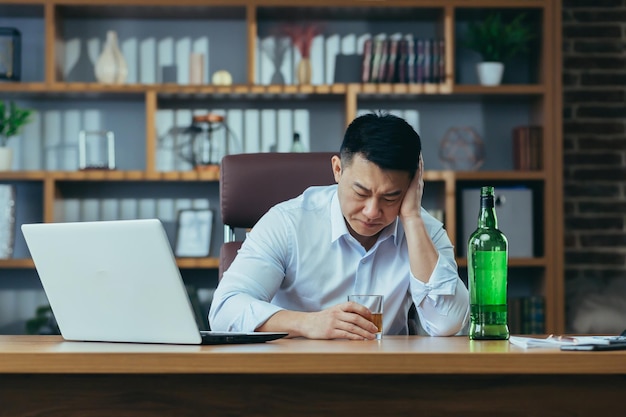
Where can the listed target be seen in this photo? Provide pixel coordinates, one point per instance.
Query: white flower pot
(6, 158)
(490, 73)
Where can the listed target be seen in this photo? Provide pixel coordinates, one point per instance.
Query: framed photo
(193, 233)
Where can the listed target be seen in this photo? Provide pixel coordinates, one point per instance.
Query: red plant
(302, 36)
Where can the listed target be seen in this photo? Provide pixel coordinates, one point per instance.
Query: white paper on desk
(557, 341)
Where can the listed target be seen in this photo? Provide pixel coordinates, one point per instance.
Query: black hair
(384, 139)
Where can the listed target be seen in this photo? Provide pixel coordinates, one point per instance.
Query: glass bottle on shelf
(487, 259)
(297, 145)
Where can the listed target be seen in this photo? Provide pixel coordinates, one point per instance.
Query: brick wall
(594, 129)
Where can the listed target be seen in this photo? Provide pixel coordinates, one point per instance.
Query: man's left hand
(412, 202)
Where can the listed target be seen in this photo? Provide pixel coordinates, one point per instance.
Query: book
(434, 61)
(390, 73)
(403, 61)
(514, 315)
(533, 315)
(427, 62)
(527, 148)
(366, 72)
(411, 59)
(526, 315)
(442, 61)
(383, 62)
(377, 53)
(419, 61)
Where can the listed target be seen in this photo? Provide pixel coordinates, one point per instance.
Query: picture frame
(193, 233)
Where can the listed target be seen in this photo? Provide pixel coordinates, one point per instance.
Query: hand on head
(412, 202)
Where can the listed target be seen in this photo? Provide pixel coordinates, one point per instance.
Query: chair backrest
(250, 184)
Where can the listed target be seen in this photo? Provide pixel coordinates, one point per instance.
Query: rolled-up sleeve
(443, 302)
(242, 300)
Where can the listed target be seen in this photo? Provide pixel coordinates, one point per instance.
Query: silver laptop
(117, 281)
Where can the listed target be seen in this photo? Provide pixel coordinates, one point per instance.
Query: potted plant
(12, 120)
(497, 41)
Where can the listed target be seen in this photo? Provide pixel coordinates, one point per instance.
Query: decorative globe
(461, 149)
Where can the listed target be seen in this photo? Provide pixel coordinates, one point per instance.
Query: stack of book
(527, 148)
(403, 59)
(526, 315)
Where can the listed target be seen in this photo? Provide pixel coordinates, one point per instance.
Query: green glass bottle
(487, 257)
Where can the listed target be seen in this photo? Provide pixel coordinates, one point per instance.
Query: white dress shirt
(300, 256)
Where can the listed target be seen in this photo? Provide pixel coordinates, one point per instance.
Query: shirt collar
(337, 222)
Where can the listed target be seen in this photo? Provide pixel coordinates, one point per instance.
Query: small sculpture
(462, 149)
(222, 77)
(208, 139)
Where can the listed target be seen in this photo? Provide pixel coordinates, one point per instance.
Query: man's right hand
(344, 321)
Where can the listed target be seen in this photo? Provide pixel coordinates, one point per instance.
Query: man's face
(370, 198)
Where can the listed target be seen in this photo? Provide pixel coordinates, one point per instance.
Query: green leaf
(12, 121)
(496, 40)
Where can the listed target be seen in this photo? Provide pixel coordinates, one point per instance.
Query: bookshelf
(62, 39)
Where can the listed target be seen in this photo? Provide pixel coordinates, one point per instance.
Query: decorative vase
(196, 68)
(6, 158)
(275, 48)
(490, 73)
(303, 71)
(111, 67)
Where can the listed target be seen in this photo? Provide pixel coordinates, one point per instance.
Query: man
(368, 234)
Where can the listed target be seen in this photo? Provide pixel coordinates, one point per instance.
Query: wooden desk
(416, 376)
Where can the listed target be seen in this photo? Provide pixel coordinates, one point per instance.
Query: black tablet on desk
(583, 347)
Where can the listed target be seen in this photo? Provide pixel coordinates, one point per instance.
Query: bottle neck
(487, 215)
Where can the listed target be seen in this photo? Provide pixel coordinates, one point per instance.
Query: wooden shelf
(213, 175)
(179, 90)
(183, 263)
(104, 175)
(500, 175)
(533, 89)
(16, 264)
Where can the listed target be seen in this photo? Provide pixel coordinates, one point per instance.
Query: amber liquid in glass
(377, 319)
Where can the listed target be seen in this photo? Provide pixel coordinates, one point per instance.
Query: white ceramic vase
(304, 71)
(111, 67)
(490, 73)
(6, 158)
